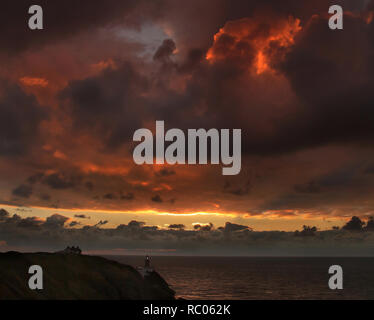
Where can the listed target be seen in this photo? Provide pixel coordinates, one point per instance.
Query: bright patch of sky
(150, 36)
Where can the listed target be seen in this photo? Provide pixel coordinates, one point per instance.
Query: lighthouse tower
(147, 262)
(147, 269)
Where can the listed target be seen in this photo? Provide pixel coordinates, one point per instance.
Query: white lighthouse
(147, 269)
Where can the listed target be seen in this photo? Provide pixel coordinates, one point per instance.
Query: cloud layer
(72, 96)
(56, 232)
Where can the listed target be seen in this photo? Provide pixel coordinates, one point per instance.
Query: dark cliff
(77, 277)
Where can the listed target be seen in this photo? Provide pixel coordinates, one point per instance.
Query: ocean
(247, 278)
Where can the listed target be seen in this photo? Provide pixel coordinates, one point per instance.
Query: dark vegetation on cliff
(71, 276)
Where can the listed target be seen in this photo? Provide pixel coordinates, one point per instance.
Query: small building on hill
(71, 250)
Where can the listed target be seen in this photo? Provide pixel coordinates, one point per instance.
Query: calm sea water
(246, 278)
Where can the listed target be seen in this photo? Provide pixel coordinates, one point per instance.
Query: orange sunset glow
(236, 37)
(73, 96)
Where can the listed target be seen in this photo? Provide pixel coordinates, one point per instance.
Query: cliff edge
(78, 277)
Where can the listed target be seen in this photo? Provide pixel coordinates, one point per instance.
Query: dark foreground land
(77, 277)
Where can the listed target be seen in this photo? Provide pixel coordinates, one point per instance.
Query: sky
(72, 95)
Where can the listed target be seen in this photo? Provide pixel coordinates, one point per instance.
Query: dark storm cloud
(61, 180)
(211, 15)
(164, 52)
(237, 190)
(348, 185)
(55, 221)
(177, 226)
(81, 216)
(157, 198)
(101, 223)
(310, 187)
(342, 177)
(328, 72)
(108, 105)
(236, 9)
(165, 173)
(20, 117)
(330, 106)
(23, 191)
(3, 214)
(324, 72)
(26, 223)
(128, 196)
(35, 178)
(204, 18)
(136, 224)
(301, 201)
(74, 224)
(110, 196)
(337, 183)
(369, 169)
(332, 75)
(62, 19)
(203, 227)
